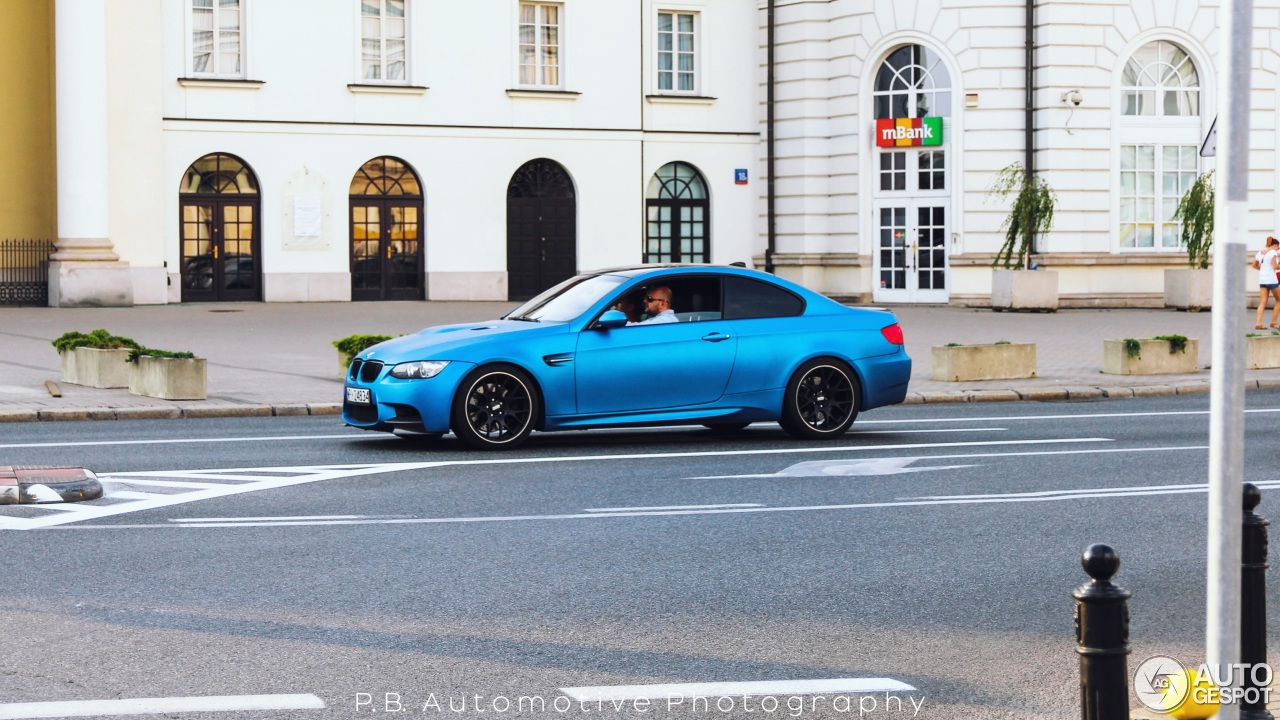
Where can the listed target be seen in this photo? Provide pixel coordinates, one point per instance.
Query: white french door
(911, 223)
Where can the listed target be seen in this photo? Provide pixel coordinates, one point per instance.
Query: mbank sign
(908, 132)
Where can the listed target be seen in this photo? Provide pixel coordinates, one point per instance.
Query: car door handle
(715, 337)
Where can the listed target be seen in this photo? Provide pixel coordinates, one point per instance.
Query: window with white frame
(540, 40)
(677, 65)
(383, 36)
(216, 33)
(1159, 142)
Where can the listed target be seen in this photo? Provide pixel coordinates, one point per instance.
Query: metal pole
(1226, 411)
(1102, 637)
(1029, 112)
(771, 209)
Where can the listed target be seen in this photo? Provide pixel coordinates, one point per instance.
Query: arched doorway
(911, 183)
(678, 213)
(386, 222)
(220, 231)
(542, 228)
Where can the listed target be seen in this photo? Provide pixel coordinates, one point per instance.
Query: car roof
(631, 271)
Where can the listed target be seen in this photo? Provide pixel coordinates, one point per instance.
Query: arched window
(386, 221)
(1161, 80)
(1159, 141)
(385, 176)
(678, 216)
(220, 233)
(912, 82)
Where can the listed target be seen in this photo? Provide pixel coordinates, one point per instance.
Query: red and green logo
(908, 132)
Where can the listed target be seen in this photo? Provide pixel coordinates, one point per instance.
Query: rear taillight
(893, 333)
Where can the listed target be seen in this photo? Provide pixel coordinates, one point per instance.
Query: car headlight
(418, 369)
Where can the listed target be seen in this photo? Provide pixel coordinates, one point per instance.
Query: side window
(693, 299)
(745, 299)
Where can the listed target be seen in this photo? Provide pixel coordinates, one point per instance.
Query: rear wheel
(821, 400)
(495, 408)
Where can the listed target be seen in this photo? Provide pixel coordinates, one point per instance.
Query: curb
(40, 484)
(167, 413)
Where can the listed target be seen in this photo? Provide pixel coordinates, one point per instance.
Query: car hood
(458, 341)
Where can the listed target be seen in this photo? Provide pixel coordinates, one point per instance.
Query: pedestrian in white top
(1268, 262)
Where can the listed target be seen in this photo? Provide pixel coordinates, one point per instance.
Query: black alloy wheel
(496, 407)
(821, 400)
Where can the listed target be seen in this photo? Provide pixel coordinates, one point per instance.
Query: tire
(821, 400)
(495, 408)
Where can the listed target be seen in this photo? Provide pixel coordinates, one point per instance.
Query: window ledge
(680, 99)
(233, 83)
(386, 89)
(544, 94)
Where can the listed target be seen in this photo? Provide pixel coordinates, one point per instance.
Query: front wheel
(821, 400)
(495, 408)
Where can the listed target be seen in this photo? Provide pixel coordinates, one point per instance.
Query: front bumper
(420, 405)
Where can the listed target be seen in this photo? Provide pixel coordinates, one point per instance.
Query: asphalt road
(936, 546)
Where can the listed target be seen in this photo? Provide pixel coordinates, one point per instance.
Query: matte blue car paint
(626, 376)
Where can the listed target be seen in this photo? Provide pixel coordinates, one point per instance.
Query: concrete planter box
(1262, 351)
(1188, 289)
(957, 363)
(169, 378)
(96, 368)
(1153, 358)
(1024, 290)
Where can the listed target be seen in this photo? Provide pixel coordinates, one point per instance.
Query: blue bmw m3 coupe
(651, 345)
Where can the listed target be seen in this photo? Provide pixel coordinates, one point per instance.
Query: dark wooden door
(386, 249)
(542, 229)
(220, 250)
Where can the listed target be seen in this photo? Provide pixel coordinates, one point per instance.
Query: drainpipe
(1029, 139)
(773, 232)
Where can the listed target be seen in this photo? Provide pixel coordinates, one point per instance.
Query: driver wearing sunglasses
(657, 305)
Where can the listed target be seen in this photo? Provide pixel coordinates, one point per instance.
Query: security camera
(1073, 96)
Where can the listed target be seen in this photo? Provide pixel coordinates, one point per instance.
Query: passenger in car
(657, 303)
(630, 306)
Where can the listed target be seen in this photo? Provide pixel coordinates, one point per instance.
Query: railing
(24, 271)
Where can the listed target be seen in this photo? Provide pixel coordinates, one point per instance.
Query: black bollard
(1253, 604)
(1102, 638)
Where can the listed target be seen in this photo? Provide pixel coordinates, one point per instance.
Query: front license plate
(358, 395)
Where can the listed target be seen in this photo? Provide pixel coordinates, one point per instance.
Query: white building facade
(394, 149)
(1124, 93)
(399, 149)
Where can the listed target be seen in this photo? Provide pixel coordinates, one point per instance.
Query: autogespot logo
(1155, 685)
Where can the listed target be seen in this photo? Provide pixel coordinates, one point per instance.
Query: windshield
(567, 300)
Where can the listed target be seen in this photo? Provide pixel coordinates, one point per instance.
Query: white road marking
(672, 507)
(269, 478)
(153, 706)
(287, 517)
(844, 468)
(1019, 418)
(132, 495)
(376, 436)
(127, 479)
(182, 441)
(832, 686)
(1068, 494)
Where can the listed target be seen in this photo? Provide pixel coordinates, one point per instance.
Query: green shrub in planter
(98, 339)
(96, 359)
(352, 345)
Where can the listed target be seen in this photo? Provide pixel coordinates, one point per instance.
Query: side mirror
(611, 319)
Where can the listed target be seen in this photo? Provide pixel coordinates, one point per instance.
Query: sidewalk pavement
(277, 359)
